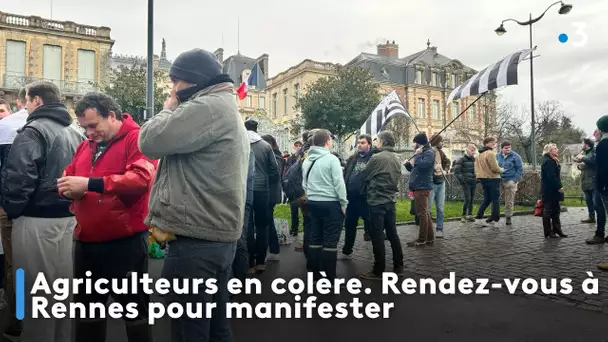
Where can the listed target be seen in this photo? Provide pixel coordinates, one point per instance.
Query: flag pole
(454, 120)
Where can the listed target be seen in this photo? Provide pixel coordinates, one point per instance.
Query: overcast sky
(337, 30)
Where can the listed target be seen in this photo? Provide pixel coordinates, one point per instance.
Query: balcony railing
(14, 81)
(16, 20)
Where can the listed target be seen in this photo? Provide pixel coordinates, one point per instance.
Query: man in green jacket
(381, 186)
(323, 183)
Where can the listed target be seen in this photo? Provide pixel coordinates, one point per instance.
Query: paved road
(471, 251)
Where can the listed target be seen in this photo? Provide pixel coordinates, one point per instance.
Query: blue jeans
(600, 209)
(438, 197)
(590, 202)
(193, 258)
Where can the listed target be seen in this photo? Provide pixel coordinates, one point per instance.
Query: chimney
(263, 60)
(389, 49)
(219, 53)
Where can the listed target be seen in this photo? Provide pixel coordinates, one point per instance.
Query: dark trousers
(113, 260)
(601, 206)
(551, 220)
(295, 218)
(589, 201)
(326, 224)
(469, 196)
(6, 227)
(306, 222)
(383, 218)
(357, 208)
(273, 237)
(241, 257)
(257, 232)
(491, 195)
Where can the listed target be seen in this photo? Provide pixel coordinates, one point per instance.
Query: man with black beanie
(421, 183)
(199, 191)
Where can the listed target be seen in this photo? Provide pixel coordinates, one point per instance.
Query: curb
(454, 219)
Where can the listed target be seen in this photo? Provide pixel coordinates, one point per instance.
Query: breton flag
(499, 74)
(251, 80)
(389, 107)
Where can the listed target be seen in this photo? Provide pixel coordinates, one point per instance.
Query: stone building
(423, 81)
(73, 56)
(285, 88)
(239, 67)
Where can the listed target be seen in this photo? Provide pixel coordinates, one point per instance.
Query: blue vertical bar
(20, 293)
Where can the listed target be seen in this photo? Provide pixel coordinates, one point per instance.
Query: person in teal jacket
(323, 183)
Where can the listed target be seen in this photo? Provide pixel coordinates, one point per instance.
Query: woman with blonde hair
(552, 192)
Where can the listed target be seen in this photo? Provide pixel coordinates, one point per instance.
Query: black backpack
(292, 182)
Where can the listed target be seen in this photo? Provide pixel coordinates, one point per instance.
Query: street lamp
(150, 58)
(564, 9)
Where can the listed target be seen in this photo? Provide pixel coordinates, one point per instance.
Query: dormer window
(419, 76)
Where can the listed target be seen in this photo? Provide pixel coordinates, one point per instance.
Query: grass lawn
(452, 209)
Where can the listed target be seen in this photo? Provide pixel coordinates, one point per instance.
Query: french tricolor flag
(251, 80)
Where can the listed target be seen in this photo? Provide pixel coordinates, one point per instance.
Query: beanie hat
(251, 125)
(196, 66)
(421, 139)
(602, 124)
(436, 140)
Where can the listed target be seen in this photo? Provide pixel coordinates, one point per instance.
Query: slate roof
(402, 70)
(234, 66)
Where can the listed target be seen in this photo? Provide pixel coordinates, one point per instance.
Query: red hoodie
(126, 175)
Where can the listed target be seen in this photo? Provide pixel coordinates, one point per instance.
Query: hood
(278, 153)
(128, 125)
(380, 149)
(316, 152)
(253, 137)
(484, 149)
(54, 111)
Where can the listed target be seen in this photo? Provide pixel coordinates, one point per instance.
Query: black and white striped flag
(389, 107)
(499, 74)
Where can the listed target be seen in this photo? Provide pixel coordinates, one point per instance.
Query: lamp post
(564, 9)
(150, 83)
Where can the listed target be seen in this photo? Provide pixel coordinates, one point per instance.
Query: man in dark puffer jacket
(464, 171)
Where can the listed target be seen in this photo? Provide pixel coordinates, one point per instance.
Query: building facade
(73, 56)
(423, 81)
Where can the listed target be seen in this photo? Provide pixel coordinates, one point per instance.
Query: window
(472, 113)
(435, 109)
(455, 110)
(454, 81)
(275, 105)
(51, 63)
(434, 80)
(421, 108)
(15, 64)
(262, 102)
(297, 91)
(86, 70)
(419, 76)
(285, 101)
(248, 101)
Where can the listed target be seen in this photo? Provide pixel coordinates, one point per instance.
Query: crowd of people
(200, 179)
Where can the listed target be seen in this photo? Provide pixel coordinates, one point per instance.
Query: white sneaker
(272, 257)
(343, 256)
(439, 234)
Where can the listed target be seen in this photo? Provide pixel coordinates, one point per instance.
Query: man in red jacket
(109, 181)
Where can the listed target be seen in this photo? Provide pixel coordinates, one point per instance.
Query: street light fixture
(564, 9)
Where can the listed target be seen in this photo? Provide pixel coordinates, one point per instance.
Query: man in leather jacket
(43, 225)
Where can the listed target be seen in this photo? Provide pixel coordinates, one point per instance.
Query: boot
(595, 240)
(139, 331)
(557, 228)
(328, 263)
(313, 260)
(90, 331)
(508, 221)
(591, 219)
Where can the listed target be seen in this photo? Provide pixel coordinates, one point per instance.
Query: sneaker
(416, 243)
(366, 237)
(595, 240)
(439, 234)
(463, 220)
(343, 256)
(508, 221)
(603, 267)
(399, 271)
(260, 268)
(589, 220)
(470, 218)
(370, 276)
(272, 257)
(430, 242)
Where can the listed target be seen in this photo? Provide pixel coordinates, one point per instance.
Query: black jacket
(550, 179)
(276, 188)
(351, 162)
(266, 168)
(601, 165)
(38, 156)
(464, 171)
